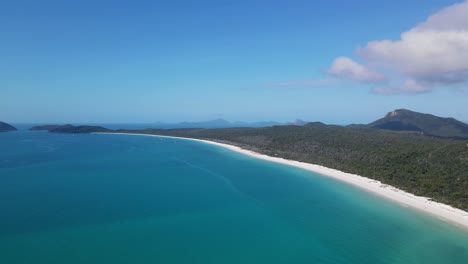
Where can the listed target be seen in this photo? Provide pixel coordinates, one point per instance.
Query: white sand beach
(442, 211)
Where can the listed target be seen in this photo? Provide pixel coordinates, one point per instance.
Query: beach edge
(441, 211)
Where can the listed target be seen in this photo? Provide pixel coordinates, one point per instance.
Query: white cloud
(453, 17)
(430, 55)
(346, 68)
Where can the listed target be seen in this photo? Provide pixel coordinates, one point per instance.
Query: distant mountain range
(222, 123)
(426, 124)
(401, 120)
(4, 127)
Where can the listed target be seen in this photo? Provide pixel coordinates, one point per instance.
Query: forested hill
(426, 124)
(70, 129)
(425, 166)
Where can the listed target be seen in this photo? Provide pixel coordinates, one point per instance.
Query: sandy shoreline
(442, 211)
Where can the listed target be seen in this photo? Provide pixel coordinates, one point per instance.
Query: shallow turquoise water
(133, 199)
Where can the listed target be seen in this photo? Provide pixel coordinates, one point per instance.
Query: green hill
(426, 124)
(71, 129)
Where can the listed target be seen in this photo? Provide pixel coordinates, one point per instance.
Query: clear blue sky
(147, 61)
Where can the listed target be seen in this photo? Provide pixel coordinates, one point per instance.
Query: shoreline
(441, 211)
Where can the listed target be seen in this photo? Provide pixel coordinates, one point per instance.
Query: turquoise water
(133, 199)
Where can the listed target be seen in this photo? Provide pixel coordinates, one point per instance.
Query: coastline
(442, 211)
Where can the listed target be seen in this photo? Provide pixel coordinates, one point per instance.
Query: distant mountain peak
(393, 113)
(431, 125)
(401, 111)
(299, 122)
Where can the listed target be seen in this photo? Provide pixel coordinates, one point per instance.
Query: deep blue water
(133, 199)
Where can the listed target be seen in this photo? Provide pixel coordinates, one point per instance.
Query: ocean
(89, 198)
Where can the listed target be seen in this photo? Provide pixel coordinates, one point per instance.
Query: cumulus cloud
(346, 68)
(432, 54)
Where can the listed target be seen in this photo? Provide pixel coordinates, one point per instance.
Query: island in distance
(4, 127)
(70, 129)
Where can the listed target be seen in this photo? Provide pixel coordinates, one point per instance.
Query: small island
(70, 129)
(44, 127)
(4, 127)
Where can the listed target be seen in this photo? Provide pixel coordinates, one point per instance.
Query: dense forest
(425, 166)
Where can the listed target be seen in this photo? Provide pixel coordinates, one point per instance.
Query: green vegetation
(425, 166)
(78, 129)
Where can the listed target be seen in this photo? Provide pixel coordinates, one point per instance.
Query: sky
(338, 62)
